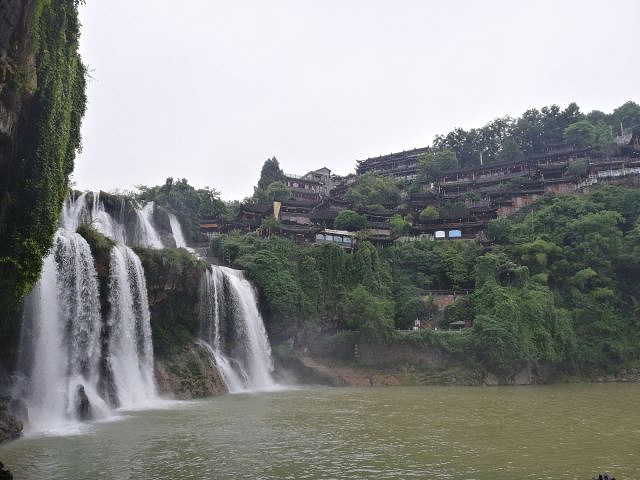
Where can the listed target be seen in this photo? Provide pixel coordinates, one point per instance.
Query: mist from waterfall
(233, 330)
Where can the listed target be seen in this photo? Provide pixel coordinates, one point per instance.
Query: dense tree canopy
(350, 220)
(508, 138)
(429, 213)
(627, 115)
(371, 189)
(581, 134)
(433, 163)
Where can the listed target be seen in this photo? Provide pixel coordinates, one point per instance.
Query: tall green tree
(271, 172)
(350, 220)
(372, 189)
(581, 134)
(370, 314)
(433, 163)
(278, 191)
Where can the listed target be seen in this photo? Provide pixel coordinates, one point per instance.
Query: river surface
(550, 432)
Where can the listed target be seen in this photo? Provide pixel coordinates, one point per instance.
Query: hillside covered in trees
(558, 286)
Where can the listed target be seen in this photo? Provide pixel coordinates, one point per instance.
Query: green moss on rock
(173, 284)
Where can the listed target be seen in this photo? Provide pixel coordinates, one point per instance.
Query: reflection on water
(567, 431)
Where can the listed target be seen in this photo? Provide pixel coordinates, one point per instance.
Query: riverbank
(386, 367)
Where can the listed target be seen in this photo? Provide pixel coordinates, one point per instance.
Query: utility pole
(480, 158)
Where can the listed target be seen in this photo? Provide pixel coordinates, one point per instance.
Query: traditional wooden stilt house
(249, 217)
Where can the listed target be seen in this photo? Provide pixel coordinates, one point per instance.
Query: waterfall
(233, 330)
(73, 212)
(60, 346)
(176, 230)
(104, 223)
(69, 371)
(147, 235)
(130, 348)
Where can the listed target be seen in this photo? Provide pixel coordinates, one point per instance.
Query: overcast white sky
(208, 90)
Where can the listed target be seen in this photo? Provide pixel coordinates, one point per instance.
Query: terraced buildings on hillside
(466, 199)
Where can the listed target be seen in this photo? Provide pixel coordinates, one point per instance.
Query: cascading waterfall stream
(147, 233)
(104, 223)
(130, 348)
(176, 230)
(234, 332)
(61, 338)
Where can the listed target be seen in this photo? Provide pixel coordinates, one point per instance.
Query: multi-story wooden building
(303, 188)
(402, 165)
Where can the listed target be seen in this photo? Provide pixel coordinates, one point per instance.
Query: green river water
(551, 432)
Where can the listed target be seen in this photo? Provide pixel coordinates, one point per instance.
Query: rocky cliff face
(173, 285)
(189, 374)
(10, 425)
(17, 73)
(173, 282)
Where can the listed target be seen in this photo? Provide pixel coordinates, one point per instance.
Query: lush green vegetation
(190, 204)
(429, 213)
(271, 184)
(45, 148)
(270, 172)
(310, 288)
(434, 163)
(373, 191)
(583, 249)
(400, 225)
(559, 288)
(306, 288)
(350, 220)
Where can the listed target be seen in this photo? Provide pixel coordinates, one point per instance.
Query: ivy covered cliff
(42, 101)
